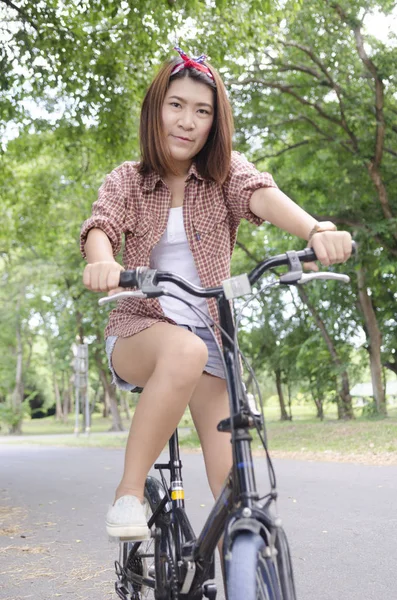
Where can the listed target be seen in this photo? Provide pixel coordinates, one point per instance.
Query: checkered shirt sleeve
(108, 212)
(242, 181)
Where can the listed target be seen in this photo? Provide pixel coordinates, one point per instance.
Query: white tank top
(172, 253)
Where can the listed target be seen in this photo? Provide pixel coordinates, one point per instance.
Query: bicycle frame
(239, 487)
(237, 507)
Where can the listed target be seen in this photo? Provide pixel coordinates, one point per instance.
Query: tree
(278, 328)
(313, 103)
(91, 59)
(319, 109)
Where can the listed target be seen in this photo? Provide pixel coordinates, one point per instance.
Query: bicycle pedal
(121, 591)
(210, 591)
(133, 540)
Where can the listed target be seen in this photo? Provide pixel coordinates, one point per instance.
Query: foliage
(72, 79)
(11, 417)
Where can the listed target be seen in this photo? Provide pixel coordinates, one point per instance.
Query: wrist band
(318, 229)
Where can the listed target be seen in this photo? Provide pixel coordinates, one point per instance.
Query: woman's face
(187, 114)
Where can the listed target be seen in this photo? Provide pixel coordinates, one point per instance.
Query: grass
(305, 436)
(49, 426)
(331, 435)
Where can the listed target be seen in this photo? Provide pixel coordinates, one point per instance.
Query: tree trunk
(68, 397)
(339, 403)
(374, 338)
(283, 411)
(318, 400)
(18, 392)
(346, 407)
(346, 399)
(289, 402)
(124, 405)
(319, 405)
(55, 385)
(58, 403)
(66, 408)
(110, 393)
(106, 405)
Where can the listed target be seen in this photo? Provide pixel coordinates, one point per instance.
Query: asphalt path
(341, 520)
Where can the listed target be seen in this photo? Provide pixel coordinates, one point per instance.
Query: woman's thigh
(177, 351)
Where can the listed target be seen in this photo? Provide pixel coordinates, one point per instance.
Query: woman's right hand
(102, 276)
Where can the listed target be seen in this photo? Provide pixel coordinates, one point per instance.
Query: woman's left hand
(331, 247)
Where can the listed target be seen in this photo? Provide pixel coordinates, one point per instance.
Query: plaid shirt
(138, 206)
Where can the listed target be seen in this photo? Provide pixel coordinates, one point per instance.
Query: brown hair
(213, 160)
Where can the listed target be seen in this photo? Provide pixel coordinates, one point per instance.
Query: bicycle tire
(284, 564)
(250, 574)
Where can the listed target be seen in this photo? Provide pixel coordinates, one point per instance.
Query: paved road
(341, 520)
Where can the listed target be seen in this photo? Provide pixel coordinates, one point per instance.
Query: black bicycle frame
(239, 486)
(239, 494)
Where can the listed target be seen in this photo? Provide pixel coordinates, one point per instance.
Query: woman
(179, 209)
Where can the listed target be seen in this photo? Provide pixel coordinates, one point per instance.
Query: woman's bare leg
(209, 405)
(168, 362)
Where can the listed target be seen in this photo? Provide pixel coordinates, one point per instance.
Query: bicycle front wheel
(249, 574)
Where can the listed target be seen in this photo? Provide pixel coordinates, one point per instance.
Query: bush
(370, 409)
(13, 417)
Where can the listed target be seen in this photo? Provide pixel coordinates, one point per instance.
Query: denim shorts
(214, 364)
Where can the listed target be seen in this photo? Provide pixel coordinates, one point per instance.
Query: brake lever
(149, 292)
(323, 275)
(295, 270)
(295, 274)
(121, 296)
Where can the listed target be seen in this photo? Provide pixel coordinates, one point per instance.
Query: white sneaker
(126, 519)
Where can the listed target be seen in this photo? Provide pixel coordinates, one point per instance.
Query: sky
(380, 26)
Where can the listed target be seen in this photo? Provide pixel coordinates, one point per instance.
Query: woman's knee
(183, 359)
(162, 349)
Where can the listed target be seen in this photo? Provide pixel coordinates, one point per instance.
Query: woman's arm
(97, 247)
(271, 204)
(102, 272)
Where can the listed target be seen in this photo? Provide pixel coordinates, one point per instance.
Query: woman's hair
(213, 160)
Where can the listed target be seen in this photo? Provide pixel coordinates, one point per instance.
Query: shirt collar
(194, 172)
(151, 179)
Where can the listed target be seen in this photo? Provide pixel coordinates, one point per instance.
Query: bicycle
(174, 563)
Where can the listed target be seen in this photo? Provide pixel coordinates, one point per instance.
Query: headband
(191, 63)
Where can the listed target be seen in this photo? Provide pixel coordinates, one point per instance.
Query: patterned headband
(191, 63)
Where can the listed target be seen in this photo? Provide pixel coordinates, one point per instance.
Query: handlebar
(147, 280)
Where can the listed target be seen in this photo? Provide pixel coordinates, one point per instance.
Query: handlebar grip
(128, 279)
(310, 255)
